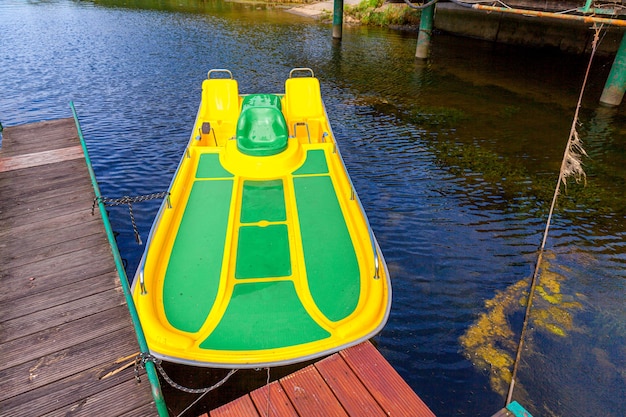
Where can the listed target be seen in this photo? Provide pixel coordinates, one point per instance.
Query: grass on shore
(379, 13)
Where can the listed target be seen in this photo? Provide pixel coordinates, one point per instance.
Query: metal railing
(143, 345)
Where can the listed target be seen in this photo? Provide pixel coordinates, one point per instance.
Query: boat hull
(262, 255)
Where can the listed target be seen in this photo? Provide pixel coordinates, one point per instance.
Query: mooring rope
(269, 393)
(570, 165)
(128, 201)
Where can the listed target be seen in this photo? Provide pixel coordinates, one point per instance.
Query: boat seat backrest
(261, 129)
(220, 104)
(303, 104)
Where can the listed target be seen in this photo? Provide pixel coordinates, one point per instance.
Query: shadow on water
(455, 161)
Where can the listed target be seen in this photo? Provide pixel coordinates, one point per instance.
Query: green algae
(490, 343)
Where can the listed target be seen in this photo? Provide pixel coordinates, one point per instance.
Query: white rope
(571, 165)
(269, 393)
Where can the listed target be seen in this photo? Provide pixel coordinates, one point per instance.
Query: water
(455, 162)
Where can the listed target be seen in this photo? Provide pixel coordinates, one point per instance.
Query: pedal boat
(262, 254)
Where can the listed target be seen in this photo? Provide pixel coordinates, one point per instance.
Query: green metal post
(143, 345)
(337, 19)
(425, 32)
(615, 86)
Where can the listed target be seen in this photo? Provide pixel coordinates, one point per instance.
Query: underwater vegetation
(595, 202)
(490, 343)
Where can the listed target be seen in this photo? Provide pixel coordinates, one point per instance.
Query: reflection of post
(337, 18)
(600, 132)
(425, 32)
(615, 86)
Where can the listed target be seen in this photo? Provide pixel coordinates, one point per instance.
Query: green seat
(261, 129)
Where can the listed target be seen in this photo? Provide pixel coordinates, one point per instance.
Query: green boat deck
(265, 292)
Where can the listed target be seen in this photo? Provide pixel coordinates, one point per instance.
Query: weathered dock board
(63, 318)
(354, 382)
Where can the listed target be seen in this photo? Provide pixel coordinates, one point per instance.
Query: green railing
(143, 345)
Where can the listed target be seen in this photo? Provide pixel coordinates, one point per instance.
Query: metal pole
(615, 86)
(143, 345)
(535, 13)
(337, 19)
(425, 32)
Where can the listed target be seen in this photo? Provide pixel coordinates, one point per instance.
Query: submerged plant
(490, 343)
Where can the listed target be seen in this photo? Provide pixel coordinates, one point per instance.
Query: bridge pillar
(337, 18)
(425, 32)
(615, 86)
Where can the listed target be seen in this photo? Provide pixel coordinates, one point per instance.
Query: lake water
(455, 161)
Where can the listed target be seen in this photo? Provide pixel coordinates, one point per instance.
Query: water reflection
(455, 161)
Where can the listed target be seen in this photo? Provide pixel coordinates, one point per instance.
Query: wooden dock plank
(45, 135)
(53, 264)
(63, 316)
(116, 399)
(38, 372)
(42, 213)
(40, 158)
(352, 383)
(276, 404)
(66, 395)
(310, 395)
(383, 382)
(48, 341)
(45, 178)
(53, 246)
(56, 224)
(347, 387)
(241, 407)
(28, 301)
(146, 410)
(59, 315)
(62, 195)
(22, 285)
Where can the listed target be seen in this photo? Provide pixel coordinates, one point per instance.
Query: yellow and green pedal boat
(262, 255)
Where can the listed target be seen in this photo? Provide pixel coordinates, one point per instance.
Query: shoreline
(320, 9)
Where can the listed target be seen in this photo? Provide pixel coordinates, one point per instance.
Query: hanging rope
(421, 6)
(571, 165)
(128, 201)
(269, 393)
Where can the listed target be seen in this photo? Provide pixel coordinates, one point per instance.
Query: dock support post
(425, 32)
(615, 86)
(337, 18)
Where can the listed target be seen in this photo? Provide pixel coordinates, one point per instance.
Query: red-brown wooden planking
(347, 387)
(310, 395)
(241, 407)
(278, 404)
(355, 382)
(384, 383)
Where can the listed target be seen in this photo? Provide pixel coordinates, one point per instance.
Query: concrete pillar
(337, 19)
(615, 86)
(425, 32)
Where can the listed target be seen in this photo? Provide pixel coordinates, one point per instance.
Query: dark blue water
(455, 162)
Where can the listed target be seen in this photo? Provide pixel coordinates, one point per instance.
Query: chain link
(140, 363)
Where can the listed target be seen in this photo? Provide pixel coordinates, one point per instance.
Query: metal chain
(128, 201)
(142, 358)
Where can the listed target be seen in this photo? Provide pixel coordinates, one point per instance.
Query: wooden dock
(63, 318)
(354, 382)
